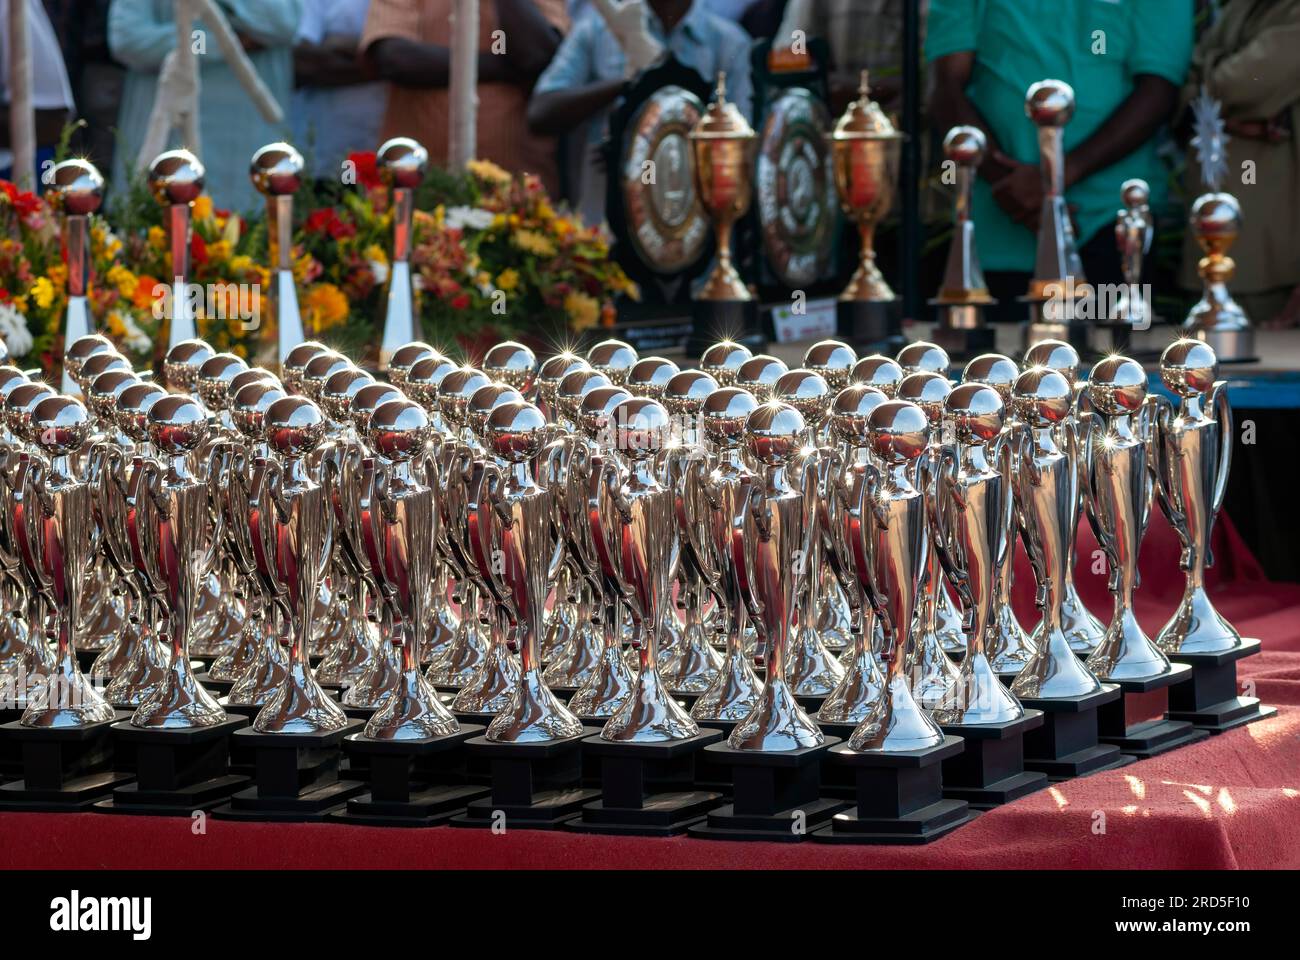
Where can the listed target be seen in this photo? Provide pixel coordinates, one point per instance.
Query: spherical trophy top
(60, 425)
(575, 387)
(276, 170)
(1050, 103)
(1188, 367)
(642, 427)
(10, 377)
(92, 367)
(593, 411)
(215, 376)
(994, 369)
(182, 363)
(1055, 355)
(806, 391)
(245, 377)
(898, 431)
(649, 376)
(405, 357)
(295, 361)
(483, 401)
(928, 391)
(319, 369)
(1135, 193)
(79, 186)
(516, 431)
(1215, 221)
(922, 356)
(555, 369)
(878, 371)
(82, 349)
(976, 411)
(133, 403)
(726, 416)
(103, 391)
(20, 404)
(833, 360)
(613, 358)
(686, 392)
(512, 363)
(177, 424)
(723, 359)
(851, 413)
(1043, 397)
(455, 390)
(294, 426)
(402, 162)
(424, 378)
(399, 429)
(1117, 386)
(759, 374)
(775, 432)
(369, 399)
(249, 405)
(176, 177)
(337, 392)
(965, 146)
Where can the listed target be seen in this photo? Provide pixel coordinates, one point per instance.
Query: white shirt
(50, 87)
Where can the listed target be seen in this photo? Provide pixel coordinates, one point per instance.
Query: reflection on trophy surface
(401, 162)
(1194, 454)
(1118, 461)
(973, 531)
(292, 366)
(1009, 646)
(1081, 628)
(891, 548)
(771, 533)
(513, 364)
(276, 171)
(879, 371)
(614, 359)
(176, 181)
(1046, 484)
(79, 189)
(722, 360)
(759, 375)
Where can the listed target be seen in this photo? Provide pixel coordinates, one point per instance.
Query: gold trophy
(1217, 319)
(864, 154)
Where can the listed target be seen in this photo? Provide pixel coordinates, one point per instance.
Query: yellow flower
(583, 310)
(507, 279)
(375, 254)
(498, 222)
(203, 207)
(325, 306)
(241, 263)
(43, 292)
(123, 279)
(219, 250)
(440, 214)
(157, 237)
(534, 243)
(545, 211)
(487, 171)
(20, 304)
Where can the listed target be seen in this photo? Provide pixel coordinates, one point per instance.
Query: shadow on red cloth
(1229, 801)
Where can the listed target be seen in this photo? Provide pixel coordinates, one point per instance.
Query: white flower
(380, 271)
(135, 339)
(458, 218)
(13, 330)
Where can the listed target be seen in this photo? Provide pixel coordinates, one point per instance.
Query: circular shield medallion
(796, 188)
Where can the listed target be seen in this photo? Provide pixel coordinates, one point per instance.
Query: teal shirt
(1019, 42)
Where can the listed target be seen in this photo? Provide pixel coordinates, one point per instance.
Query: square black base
(776, 796)
(176, 771)
(991, 770)
(11, 754)
(1210, 700)
(1066, 745)
(899, 797)
(1148, 738)
(709, 773)
(63, 769)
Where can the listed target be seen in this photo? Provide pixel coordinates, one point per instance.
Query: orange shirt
(423, 113)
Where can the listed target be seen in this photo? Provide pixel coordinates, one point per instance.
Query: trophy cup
(1058, 279)
(276, 172)
(1217, 319)
(81, 350)
(295, 362)
(649, 376)
(549, 377)
(759, 374)
(513, 364)
(213, 383)
(402, 162)
(1193, 456)
(1046, 480)
(1134, 229)
(864, 155)
(722, 360)
(832, 360)
(1008, 645)
(176, 181)
(80, 189)
(614, 359)
(723, 144)
(879, 371)
(963, 295)
(404, 358)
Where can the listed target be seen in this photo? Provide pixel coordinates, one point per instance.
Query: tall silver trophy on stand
(176, 179)
(402, 163)
(276, 172)
(79, 188)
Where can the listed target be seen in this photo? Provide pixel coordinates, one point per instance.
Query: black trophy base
(811, 702)
(646, 787)
(714, 320)
(1148, 738)
(296, 778)
(991, 770)
(900, 797)
(63, 769)
(869, 327)
(176, 771)
(775, 796)
(534, 786)
(709, 773)
(965, 343)
(413, 783)
(1210, 700)
(1066, 745)
(11, 754)
(358, 713)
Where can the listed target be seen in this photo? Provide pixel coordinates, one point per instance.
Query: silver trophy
(759, 375)
(79, 188)
(614, 359)
(402, 163)
(1217, 319)
(722, 360)
(1134, 229)
(176, 181)
(295, 362)
(276, 171)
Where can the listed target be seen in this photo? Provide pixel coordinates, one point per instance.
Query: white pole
(22, 118)
(463, 83)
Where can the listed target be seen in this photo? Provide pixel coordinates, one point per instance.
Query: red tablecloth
(1229, 801)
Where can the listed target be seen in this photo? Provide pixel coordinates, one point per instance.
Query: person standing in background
(51, 92)
(406, 41)
(140, 34)
(334, 102)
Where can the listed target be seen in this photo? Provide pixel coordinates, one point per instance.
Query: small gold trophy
(1217, 319)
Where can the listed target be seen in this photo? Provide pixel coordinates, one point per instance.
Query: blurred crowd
(353, 72)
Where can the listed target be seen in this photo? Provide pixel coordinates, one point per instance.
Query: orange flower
(143, 296)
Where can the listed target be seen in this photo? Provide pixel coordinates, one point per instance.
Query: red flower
(325, 220)
(461, 301)
(367, 169)
(198, 249)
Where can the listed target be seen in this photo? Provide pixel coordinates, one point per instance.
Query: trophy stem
(77, 316)
(399, 323)
(181, 323)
